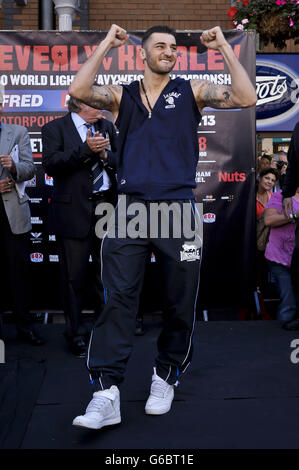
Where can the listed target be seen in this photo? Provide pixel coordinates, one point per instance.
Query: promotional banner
(277, 84)
(36, 69)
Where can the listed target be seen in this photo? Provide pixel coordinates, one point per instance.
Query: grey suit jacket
(17, 208)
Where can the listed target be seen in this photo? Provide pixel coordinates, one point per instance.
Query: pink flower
(245, 21)
(240, 26)
(291, 22)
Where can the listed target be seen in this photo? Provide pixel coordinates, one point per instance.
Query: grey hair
(74, 105)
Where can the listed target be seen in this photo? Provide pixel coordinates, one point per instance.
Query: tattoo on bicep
(217, 96)
(102, 97)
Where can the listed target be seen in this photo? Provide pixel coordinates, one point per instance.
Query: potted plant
(274, 20)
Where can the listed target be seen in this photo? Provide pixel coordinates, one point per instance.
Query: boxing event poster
(36, 68)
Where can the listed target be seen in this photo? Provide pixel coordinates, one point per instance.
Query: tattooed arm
(83, 88)
(241, 94)
(103, 97)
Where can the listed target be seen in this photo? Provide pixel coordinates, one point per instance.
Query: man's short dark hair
(267, 156)
(74, 105)
(157, 29)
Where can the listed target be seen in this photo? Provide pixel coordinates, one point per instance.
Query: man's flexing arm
(241, 94)
(83, 88)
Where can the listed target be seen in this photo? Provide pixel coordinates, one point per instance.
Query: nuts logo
(209, 217)
(190, 253)
(231, 177)
(37, 257)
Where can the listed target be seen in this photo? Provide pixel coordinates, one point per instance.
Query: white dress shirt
(82, 130)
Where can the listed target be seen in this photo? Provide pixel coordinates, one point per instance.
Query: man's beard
(157, 70)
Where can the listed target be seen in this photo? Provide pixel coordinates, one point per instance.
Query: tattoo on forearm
(226, 95)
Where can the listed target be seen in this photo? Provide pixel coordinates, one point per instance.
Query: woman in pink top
(266, 181)
(279, 251)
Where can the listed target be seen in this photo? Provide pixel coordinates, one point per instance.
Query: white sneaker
(103, 410)
(161, 396)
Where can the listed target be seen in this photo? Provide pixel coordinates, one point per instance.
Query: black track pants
(124, 261)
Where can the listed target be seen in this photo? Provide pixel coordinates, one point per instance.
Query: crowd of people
(83, 153)
(277, 211)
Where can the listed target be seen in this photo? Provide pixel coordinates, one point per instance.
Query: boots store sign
(277, 85)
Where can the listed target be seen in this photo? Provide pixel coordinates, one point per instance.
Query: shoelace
(97, 404)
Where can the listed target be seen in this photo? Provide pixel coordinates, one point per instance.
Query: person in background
(263, 162)
(291, 182)
(279, 251)
(72, 150)
(16, 167)
(280, 164)
(266, 181)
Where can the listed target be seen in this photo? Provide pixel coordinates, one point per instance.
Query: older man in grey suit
(16, 167)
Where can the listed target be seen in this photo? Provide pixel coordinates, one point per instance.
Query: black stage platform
(240, 392)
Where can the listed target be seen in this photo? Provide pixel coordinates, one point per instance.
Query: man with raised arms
(157, 157)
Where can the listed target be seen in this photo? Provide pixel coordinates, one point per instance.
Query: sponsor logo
(270, 89)
(53, 258)
(36, 200)
(36, 237)
(36, 220)
(209, 217)
(52, 238)
(189, 253)
(231, 177)
(22, 100)
(37, 257)
(49, 180)
(228, 198)
(277, 89)
(209, 198)
(169, 98)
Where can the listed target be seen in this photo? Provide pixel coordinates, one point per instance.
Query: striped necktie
(97, 172)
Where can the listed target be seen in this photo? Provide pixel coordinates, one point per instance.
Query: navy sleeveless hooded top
(157, 156)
